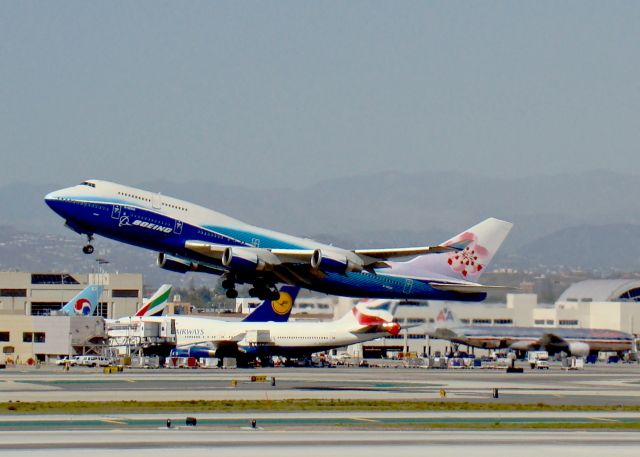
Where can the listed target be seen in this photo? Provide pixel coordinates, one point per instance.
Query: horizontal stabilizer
(469, 288)
(384, 254)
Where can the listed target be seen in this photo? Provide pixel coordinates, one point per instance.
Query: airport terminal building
(38, 294)
(28, 331)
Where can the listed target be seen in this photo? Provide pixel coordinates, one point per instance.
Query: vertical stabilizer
(476, 247)
(362, 319)
(275, 310)
(446, 319)
(156, 304)
(85, 303)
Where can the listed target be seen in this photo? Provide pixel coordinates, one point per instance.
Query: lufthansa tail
(275, 310)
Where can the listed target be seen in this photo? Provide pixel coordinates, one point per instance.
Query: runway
(290, 443)
(358, 433)
(317, 420)
(596, 385)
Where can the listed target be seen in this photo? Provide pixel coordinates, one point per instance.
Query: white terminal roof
(601, 290)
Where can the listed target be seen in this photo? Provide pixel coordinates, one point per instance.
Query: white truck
(538, 359)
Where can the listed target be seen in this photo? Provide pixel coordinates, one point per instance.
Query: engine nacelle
(332, 261)
(167, 262)
(177, 265)
(579, 349)
(242, 259)
(193, 351)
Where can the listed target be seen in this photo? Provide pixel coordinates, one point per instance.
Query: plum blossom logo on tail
(471, 260)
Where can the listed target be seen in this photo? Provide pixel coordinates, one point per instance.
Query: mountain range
(581, 221)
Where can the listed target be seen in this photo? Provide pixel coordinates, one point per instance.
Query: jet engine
(332, 261)
(177, 265)
(242, 259)
(579, 349)
(166, 262)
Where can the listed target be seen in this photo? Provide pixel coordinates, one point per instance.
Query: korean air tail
(156, 304)
(275, 310)
(474, 250)
(85, 303)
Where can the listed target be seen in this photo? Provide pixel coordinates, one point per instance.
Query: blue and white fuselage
(190, 237)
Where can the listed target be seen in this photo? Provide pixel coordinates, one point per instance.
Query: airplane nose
(52, 197)
(55, 201)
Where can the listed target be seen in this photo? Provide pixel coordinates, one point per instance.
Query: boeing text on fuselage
(189, 237)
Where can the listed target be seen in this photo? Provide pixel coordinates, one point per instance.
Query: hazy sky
(289, 93)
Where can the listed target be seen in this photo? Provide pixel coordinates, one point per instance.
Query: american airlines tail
(475, 246)
(156, 304)
(85, 303)
(446, 319)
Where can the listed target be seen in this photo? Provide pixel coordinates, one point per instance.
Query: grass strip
(213, 406)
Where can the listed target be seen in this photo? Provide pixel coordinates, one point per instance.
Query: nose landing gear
(88, 248)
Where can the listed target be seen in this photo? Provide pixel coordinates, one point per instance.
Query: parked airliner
(189, 237)
(202, 337)
(578, 342)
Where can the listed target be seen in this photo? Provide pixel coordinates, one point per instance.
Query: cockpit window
(87, 183)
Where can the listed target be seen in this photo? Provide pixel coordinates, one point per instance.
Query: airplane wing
(321, 259)
(551, 339)
(469, 288)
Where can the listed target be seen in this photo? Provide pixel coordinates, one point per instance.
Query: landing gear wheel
(232, 293)
(88, 249)
(274, 295)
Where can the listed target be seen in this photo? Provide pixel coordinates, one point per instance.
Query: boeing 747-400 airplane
(189, 237)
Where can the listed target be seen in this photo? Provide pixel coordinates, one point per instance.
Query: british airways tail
(156, 304)
(362, 319)
(85, 303)
(475, 248)
(275, 310)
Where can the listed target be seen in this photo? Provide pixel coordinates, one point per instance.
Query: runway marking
(131, 380)
(604, 419)
(113, 421)
(363, 419)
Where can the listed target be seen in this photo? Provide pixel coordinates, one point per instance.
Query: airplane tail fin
(362, 319)
(85, 303)
(446, 319)
(156, 304)
(475, 248)
(275, 310)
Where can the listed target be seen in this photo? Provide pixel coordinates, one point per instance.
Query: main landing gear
(260, 289)
(264, 291)
(229, 283)
(88, 248)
